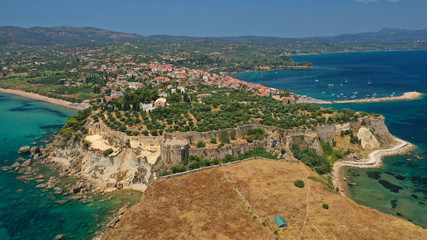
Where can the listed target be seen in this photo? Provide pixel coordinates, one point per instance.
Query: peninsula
(407, 96)
(213, 156)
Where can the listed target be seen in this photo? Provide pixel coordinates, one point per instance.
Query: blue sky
(283, 18)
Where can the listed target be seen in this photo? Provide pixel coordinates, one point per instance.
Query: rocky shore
(34, 165)
(373, 161)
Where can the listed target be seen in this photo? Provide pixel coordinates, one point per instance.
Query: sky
(280, 18)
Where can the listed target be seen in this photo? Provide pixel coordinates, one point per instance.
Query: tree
(174, 98)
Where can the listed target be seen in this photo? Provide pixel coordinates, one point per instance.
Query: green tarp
(280, 222)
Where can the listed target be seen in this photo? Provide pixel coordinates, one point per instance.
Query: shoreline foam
(34, 96)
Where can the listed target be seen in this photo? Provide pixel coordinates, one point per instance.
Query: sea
(27, 212)
(399, 187)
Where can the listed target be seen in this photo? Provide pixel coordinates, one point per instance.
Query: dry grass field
(240, 201)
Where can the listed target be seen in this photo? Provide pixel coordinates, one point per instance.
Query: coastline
(34, 96)
(374, 160)
(407, 96)
(367, 51)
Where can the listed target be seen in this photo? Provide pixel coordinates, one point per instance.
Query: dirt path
(307, 201)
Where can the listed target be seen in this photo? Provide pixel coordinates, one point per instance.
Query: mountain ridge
(80, 35)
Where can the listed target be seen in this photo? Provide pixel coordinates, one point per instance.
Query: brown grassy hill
(221, 204)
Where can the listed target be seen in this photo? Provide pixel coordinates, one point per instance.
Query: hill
(240, 201)
(61, 35)
(88, 35)
(384, 35)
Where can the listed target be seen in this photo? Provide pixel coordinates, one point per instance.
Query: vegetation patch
(309, 156)
(299, 183)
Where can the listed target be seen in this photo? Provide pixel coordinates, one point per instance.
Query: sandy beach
(63, 103)
(405, 97)
(374, 160)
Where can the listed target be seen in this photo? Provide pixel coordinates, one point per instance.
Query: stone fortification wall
(215, 153)
(194, 137)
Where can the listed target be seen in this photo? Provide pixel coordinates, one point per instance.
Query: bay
(399, 187)
(27, 212)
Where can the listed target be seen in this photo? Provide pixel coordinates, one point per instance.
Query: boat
(330, 85)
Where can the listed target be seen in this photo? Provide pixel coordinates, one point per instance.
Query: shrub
(224, 137)
(213, 140)
(225, 140)
(178, 167)
(108, 152)
(205, 163)
(194, 165)
(299, 183)
(229, 158)
(86, 144)
(325, 206)
(201, 144)
(233, 134)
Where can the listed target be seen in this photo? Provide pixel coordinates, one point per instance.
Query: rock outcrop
(368, 140)
(24, 150)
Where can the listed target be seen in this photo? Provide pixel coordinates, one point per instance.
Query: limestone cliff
(112, 159)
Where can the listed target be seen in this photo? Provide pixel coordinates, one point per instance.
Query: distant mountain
(61, 35)
(34, 36)
(384, 35)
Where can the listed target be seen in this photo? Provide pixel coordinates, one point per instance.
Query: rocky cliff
(112, 159)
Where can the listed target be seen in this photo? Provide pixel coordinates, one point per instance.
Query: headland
(407, 96)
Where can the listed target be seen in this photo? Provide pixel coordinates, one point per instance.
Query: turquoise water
(399, 187)
(25, 211)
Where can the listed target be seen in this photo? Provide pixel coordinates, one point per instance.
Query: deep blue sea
(399, 187)
(25, 211)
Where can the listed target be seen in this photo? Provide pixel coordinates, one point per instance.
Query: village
(109, 77)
